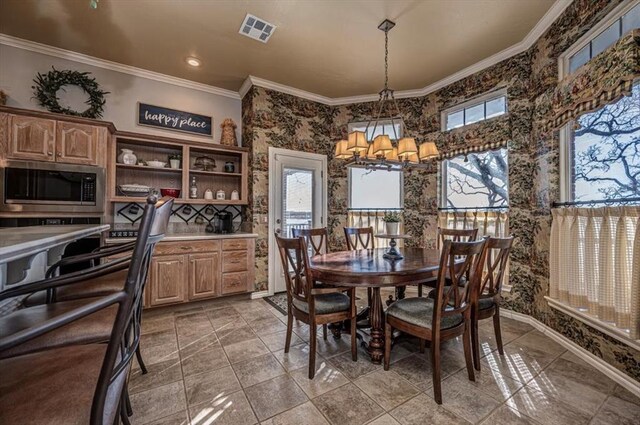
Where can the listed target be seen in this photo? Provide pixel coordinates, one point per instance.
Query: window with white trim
(482, 108)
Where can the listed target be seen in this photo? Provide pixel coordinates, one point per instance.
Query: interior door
(298, 200)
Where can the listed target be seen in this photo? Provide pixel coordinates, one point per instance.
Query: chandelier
(383, 150)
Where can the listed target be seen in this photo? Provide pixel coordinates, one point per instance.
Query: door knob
(278, 231)
(277, 221)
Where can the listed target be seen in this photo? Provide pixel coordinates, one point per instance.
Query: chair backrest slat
(459, 275)
(317, 239)
(295, 263)
(456, 235)
(359, 238)
(498, 250)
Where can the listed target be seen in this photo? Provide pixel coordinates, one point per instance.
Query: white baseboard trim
(259, 294)
(616, 375)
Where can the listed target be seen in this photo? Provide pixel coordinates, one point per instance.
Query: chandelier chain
(386, 60)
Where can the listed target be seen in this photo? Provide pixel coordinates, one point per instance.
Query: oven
(32, 187)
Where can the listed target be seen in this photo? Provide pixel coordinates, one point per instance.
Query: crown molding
(536, 32)
(113, 66)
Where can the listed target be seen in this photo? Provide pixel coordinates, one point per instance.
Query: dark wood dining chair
(446, 316)
(455, 235)
(359, 238)
(317, 239)
(486, 299)
(310, 304)
(80, 384)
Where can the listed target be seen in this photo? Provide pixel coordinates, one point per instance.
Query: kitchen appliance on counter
(29, 186)
(223, 222)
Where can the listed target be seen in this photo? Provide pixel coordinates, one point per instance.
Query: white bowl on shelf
(156, 164)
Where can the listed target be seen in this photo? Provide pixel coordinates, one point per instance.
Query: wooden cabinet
(31, 139)
(77, 143)
(196, 270)
(167, 280)
(38, 136)
(204, 275)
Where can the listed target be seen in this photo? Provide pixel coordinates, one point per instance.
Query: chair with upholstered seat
(454, 235)
(446, 316)
(80, 384)
(317, 239)
(486, 299)
(309, 303)
(359, 238)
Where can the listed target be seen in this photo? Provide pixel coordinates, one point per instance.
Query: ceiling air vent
(256, 28)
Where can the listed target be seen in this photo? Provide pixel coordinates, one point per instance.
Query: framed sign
(172, 119)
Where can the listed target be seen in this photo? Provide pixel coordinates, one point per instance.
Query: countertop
(19, 242)
(173, 237)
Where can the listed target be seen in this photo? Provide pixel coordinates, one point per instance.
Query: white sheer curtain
(373, 218)
(488, 222)
(595, 263)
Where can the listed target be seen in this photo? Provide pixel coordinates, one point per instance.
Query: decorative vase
(127, 157)
(228, 134)
(392, 228)
(175, 163)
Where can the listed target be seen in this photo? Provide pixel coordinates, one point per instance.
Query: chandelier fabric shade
(341, 150)
(428, 150)
(382, 144)
(407, 145)
(357, 141)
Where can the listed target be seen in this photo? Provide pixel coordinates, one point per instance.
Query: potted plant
(392, 223)
(174, 160)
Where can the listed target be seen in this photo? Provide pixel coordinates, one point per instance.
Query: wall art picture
(172, 119)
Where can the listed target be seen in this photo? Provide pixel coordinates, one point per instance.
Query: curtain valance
(602, 80)
(473, 149)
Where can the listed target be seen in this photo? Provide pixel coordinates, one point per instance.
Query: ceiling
(328, 47)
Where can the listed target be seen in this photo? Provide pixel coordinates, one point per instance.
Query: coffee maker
(224, 222)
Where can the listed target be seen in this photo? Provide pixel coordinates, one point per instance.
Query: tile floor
(223, 362)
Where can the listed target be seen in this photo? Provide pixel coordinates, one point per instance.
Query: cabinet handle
(50, 153)
(184, 248)
(59, 153)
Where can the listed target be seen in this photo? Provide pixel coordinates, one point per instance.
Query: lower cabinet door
(168, 280)
(204, 275)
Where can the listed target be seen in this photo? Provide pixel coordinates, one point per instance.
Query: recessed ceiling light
(193, 61)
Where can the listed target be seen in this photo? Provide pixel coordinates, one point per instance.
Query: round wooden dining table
(367, 268)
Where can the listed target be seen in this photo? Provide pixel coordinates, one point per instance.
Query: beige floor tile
(351, 369)
(421, 410)
(503, 415)
(223, 312)
(275, 396)
(347, 405)
(158, 338)
(204, 360)
(297, 357)
(490, 382)
(327, 378)
(245, 350)
(386, 388)
(517, 362)
(267, 326)
(233, 336)
(384, 420)
(616, 411)
(275, 342)
(227, 409)
(332, 347)
(158, 353)
(509, 325)
(254, 316)
(159, 374)
(538, 341)
(305, 414)
(157, 324)
(158, 402)
(415, 369)
(253, 371)
(208, 386)
(195, 345)
(180, 418)
(193, 335)
(466, 401)
(577, 370)
(626, 395)
(546, 408)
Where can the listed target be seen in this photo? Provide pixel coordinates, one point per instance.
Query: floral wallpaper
(531, 78)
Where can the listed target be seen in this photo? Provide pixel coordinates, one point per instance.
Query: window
(483, 108)
(374, 189)
(604, 152)
(602, 36)
(476, 180)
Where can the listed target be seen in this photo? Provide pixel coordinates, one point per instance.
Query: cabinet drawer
(234, 261)
(186, 247)
(234, 244)
(234, 282)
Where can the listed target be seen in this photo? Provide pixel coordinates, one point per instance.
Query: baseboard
(616, 375)
(259, 294)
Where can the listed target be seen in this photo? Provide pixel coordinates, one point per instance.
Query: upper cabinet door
(77, 143)
(31, 138)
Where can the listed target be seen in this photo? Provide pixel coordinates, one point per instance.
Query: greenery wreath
(47, 86)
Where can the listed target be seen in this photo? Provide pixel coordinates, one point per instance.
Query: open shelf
(147, 168)
(215, 173)
(142, 199)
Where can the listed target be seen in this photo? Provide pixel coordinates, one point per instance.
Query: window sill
(600, 325)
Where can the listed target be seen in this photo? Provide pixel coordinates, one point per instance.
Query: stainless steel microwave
(30, 186)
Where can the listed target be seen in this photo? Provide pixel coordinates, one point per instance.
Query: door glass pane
(297, 200)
